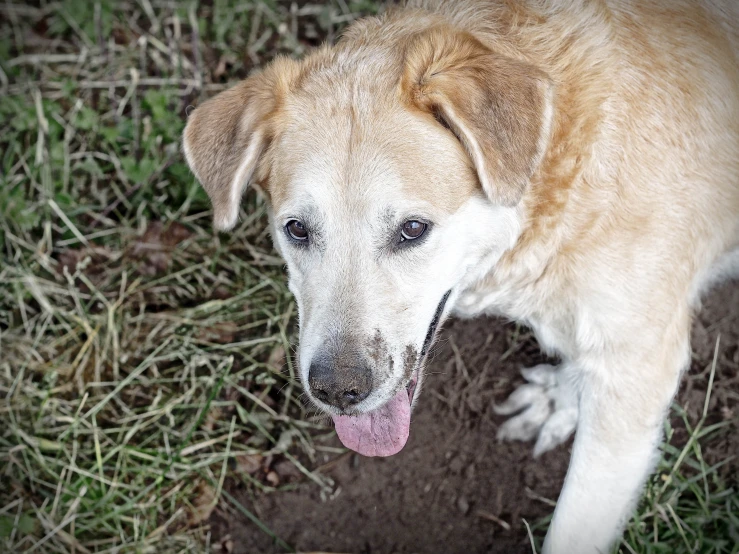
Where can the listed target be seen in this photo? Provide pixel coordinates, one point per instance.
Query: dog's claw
(548, 409)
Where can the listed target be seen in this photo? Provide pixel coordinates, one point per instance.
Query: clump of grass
(689, 505)
(123, 406)
(690, 509)
(142, 358)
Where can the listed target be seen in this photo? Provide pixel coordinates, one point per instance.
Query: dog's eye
(296, 230)
(411, 230)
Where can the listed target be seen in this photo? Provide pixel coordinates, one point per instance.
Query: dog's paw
(548, 410)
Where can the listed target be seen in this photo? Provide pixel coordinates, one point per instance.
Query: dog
(568, 164)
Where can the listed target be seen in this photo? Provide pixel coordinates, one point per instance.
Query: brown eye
(412, 229)
(296, 230)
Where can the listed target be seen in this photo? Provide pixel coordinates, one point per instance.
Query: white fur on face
(353, 282)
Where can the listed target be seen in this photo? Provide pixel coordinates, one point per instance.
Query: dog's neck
(557, 210)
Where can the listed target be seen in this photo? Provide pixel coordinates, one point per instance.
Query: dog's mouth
(385, 430)
(411, 386)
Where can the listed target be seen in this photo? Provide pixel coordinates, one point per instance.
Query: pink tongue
(382, 432)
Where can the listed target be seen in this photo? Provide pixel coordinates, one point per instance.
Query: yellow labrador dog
(573, 165)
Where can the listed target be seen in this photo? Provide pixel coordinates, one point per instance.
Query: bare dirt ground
(454, 488)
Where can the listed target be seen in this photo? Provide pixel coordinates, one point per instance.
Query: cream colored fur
(579, 162)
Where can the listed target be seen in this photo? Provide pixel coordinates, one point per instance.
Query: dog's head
(393, 173)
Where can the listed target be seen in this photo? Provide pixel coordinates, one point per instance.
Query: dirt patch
(454, 488)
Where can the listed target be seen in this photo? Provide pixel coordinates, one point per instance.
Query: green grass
(687, 506)
(142, 357)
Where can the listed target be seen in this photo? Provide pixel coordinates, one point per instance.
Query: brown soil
(454, 488)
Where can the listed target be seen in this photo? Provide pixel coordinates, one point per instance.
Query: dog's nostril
(351, 396)
(355, 396)
(321, 395)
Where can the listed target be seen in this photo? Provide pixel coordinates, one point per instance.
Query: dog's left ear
(498, 107)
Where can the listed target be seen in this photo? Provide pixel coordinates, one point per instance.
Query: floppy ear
(498, 107)
(226, 135)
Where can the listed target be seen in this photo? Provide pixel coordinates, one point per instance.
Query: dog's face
(388, 196)
(377, 236)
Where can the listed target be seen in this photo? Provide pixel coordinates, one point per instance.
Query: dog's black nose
(337, 386)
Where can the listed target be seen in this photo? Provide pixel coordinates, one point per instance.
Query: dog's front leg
(622, 409)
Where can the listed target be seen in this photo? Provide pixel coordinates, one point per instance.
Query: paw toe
(523, 396)
(556, 430)
(542, 374)
(526, 425)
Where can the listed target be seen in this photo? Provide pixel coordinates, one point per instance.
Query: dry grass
(143, 358)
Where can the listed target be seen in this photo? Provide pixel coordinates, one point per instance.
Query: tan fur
(579, 162)
(453, 76)
(220, 131)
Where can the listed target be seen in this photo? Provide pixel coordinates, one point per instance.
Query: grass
(144, 359)
(688, 506)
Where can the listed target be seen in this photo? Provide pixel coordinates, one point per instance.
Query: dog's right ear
(226, 136)
(499, 108)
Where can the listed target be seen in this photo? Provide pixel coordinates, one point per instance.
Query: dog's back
(644, 166)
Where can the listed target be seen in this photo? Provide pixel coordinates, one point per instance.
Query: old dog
(569, 164)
